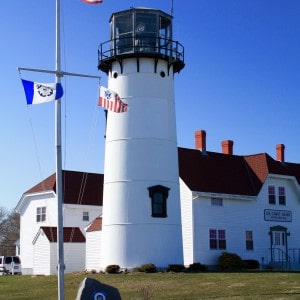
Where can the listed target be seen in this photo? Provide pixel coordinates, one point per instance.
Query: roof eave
(27, 196)
(196, 195)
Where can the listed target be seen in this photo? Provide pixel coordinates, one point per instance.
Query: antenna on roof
(172, 7)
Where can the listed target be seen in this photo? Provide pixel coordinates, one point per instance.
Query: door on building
(279, 243)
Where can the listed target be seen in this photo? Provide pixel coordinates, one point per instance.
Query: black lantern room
(141, 32)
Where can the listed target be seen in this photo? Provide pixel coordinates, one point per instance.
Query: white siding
(292, 204)
(74, 257)
(73, 215)
(53, 258)
(45, 257)
(29, 227)
(41, 257)
(238, 215)
(93, 250)
(235, 216)
(187, 223)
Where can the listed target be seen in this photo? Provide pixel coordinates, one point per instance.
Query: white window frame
(41, 214)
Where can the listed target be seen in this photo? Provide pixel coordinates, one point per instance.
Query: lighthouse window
(165, 35)
(145, 32)
(124, 33)
(158, 207)
(159, 195)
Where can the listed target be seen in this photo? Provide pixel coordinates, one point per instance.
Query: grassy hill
(141, 286)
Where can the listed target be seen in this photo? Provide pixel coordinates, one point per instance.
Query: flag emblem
(44, 91)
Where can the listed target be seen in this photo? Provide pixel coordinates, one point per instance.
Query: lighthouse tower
(141, 204)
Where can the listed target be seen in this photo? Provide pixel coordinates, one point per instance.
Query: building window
(40, 214)
(281, 193)
(217, 239)
(277, 239)
(249, 240)
(216, 201)
(271, 190)
(159, 195)
(85, 216)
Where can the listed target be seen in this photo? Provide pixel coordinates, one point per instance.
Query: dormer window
(158, 195)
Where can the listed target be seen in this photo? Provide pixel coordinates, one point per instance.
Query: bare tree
(9, 231)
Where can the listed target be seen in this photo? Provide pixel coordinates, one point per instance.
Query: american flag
(92, 1)
(111, 101)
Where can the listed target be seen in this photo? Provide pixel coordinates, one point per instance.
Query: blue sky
(241, 81)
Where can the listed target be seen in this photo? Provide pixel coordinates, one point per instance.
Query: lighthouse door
(279, 244)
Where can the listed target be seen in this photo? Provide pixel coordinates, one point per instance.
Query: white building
(37, 207)
(163, 204)
(45, 250)
(248, 205)
(93, 245)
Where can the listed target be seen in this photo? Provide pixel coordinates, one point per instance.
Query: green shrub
(197, 267)
(147, 268)
(251, 263)
(112, 269)
(231, 262)
(177, 268)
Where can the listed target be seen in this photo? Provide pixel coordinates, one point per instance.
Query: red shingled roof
(211, 172)
(71, 234)
(96, 225)
(229, 174)
(294, 169)
(79, 187)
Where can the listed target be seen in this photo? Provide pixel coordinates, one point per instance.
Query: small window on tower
(159, 195)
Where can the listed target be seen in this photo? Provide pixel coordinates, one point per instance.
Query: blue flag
(37, 93)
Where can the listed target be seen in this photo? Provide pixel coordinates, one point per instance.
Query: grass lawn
(140, 286)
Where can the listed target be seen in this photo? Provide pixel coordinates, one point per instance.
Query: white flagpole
(59, 190)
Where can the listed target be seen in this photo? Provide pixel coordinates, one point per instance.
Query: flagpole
(59, 190)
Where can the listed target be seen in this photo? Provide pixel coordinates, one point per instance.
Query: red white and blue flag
(111, 101)
(92, 1)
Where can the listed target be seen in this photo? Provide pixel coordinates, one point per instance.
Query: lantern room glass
(141, 31)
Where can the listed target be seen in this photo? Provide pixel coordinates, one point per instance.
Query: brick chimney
(280, 152)
(227, 147)
(200, 140)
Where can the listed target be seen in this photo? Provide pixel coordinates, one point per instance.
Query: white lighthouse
(141, 204)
